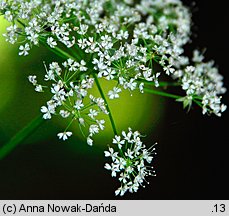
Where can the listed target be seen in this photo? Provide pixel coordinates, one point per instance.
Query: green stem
(61, 53)
(107, 106)
(152, 91)
(20, 136)
(161, 84)
(21, 22)
(198, 103)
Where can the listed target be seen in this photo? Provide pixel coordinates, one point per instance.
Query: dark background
(193, 157)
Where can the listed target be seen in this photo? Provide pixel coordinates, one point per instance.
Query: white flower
(121, 191)
(39, 88)
(82, 66)
(33, 37)
(79, 104)
(129, 154)
(64, 135)
(8, 15)
(127, 136)
(71, 64)
(131, 84)
(169, 70)
(123, 35)
(223, 107)
(64, 113)
(82, 121)
(111, 153)
(51, 42)
(55, 68)
(93, 129)
(101, 124)
(113, 168)
(24, 49)
(106, 42)
(117, 140)
(58, 91)
(146, 155)
(47, 111)
(89, 141)
(190, 69)
(32, 79)
(141, 87)
(110, 74)
(92, 113)
(197, 56)
(114, 93)
(82, 43)
(83, 29)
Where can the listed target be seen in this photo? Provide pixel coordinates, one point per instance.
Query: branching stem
(107, 105)
(164, 94)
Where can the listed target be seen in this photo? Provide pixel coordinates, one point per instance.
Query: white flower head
(89, 141)
(114, 93)
(129, 164)
(64, 113)
(51, 42)
(33, 79)
(94, 129)
(64, 135)
(24, 49)
(47, 111)
(117, 140)
(79, 104)
(39, 88)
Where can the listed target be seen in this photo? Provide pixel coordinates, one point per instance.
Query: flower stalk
(21, 136)
(107, 105)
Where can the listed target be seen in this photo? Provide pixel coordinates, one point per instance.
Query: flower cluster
(120, 40)
(203, 84)
(129, 163)
(70, 98)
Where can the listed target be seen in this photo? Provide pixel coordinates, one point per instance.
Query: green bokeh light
(7, 69)
(139, 111)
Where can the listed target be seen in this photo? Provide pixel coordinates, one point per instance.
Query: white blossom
(48, 111)
(24, 49)
(129, 164)
(64, 135)
(64, 113)
(117, 140)
(114, 93)
(33, 79)
(51, 42)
